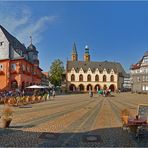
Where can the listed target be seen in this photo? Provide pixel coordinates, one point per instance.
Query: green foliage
(56, 71)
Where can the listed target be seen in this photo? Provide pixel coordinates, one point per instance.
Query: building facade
(139, 75)
(88, 75)
(45, 79)
(127, 83)
(19, 66)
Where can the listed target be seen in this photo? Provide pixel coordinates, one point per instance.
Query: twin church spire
(74, 56)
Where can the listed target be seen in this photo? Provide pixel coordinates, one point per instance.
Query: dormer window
(145, 60)
(1, 43)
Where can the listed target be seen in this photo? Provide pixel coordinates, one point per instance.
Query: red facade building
(19, 66)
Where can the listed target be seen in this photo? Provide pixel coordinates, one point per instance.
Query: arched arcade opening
(72, 87)
(112, 87)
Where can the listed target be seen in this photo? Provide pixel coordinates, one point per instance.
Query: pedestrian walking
(90, 93)
(48, 95)
(53, 93)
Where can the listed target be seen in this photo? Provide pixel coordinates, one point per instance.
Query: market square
(73, 74)
(68, 119)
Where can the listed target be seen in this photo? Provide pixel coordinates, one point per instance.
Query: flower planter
(6, 122)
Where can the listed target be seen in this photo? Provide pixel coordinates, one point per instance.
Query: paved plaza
(73, 121)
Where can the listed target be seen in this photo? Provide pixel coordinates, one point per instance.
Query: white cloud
(36, 29)
(22, 24)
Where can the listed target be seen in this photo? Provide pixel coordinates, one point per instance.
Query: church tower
(74, 55)
(86, 55)
(33, 53)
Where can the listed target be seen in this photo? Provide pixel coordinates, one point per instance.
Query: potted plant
(6, 116)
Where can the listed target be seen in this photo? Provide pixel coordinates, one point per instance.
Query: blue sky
(114, 31)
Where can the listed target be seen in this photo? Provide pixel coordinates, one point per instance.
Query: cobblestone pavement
(74, 121)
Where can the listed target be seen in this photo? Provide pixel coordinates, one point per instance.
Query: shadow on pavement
(108, 137)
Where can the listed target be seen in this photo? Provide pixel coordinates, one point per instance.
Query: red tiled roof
(135, 66)
(45, 73)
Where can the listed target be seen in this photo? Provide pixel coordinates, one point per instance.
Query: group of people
(20, 93)
(50, 93)
(4, 95)
(105, 93)
(10, 93)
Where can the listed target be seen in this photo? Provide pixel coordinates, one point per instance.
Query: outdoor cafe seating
(137, 125)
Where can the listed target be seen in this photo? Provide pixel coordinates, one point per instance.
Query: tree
(56, 71)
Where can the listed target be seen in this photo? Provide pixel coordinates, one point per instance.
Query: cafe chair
(124, 118)
(142, 131)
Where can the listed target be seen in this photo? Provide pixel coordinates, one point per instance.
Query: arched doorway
(112, 87)
(14, 84)
(23, 85)
(89, 87)
(81, 87)
(97, 87)
(72, 87)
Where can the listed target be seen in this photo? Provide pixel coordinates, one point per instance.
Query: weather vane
(31, 39)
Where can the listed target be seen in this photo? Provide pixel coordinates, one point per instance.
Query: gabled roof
(12, 40)
(46, 73)
(135, 66)
(146, 53)
(138, 64)
(85, 65)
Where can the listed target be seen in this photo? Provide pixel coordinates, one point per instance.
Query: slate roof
(74, 50)
(85, 65)
(31, 47)
(146, 53)
(13, 41)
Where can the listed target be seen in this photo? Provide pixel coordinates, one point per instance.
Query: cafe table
(134, 123)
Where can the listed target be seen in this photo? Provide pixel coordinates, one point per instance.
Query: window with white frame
(13, 66)
(1, 67)
(143, 87)
(28, 69)
(138, 71)
(23, 67)
(145, 60)
(138, 79)
(144, 79)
